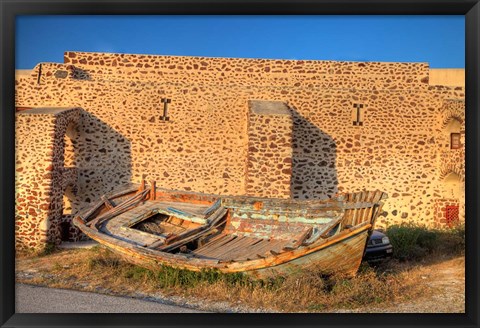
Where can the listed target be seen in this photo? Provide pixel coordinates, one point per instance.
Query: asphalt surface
(35, 299)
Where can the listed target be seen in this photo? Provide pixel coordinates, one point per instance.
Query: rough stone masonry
(272, 128)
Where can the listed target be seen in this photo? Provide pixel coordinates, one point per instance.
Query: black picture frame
(11, 8)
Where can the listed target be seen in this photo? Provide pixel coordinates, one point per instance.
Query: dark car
(378, 247)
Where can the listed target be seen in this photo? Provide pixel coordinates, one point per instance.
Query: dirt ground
(444, 282)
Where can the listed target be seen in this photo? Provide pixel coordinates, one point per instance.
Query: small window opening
(357, 114)
(165, 116)
(455, 141)
(451, 215)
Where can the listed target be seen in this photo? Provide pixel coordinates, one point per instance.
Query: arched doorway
(452, 186)
(69, 144)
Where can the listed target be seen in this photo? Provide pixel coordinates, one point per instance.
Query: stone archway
(69, 144)
(64, 176)
(452, 186)
(69, 180)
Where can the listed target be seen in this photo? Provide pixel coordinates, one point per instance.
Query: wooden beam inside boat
(153, 190)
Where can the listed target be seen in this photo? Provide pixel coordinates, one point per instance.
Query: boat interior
(227, 229)
(178, 228)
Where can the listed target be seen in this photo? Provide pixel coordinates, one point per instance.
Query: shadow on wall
(314, 173)
(103, 157)
(79, 74)
(103, 160)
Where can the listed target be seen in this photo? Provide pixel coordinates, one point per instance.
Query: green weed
(416, 242)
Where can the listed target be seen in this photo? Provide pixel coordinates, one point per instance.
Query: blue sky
(438, 40)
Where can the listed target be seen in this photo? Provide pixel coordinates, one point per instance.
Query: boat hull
(341, 255)
(249, 235)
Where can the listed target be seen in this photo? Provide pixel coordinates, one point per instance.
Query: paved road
(34, 299)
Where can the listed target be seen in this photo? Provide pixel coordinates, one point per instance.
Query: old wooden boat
(261, 237)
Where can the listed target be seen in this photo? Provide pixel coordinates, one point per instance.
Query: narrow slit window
(357, 114)
(165, 116)
(455, 141)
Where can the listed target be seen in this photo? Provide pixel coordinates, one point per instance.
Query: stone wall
(269, 161)
(41, 177)
(452, 161)
(394, 145)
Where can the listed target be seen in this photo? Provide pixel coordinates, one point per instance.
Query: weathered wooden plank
(246, 244)
(228, 247)
(135, 236)
(219, 243)
(185, 234)
(257, 250)
(256, 244)
(213, 239)
(300, 217)
(279, 248)
(262, 251)
(217, 216)
(165, 248)
(123, 229)
(378, 196)
(356, 200)
(237, 248)
(183, 212)
(295, 243)
(363, 199)
(207, 212)
(108, 203)
(358, 205)
(368, 214)
(263, 228)
(348, 217)
(121, 208)
(278, 205)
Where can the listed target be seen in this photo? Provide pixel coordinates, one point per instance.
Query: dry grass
(98, 269)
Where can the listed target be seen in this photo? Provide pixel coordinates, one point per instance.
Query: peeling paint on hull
(218, 234)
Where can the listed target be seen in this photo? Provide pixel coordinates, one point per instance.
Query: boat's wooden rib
(212, 208)
(121, 208)
(190, 236)
(108, 203)
(186, 233)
